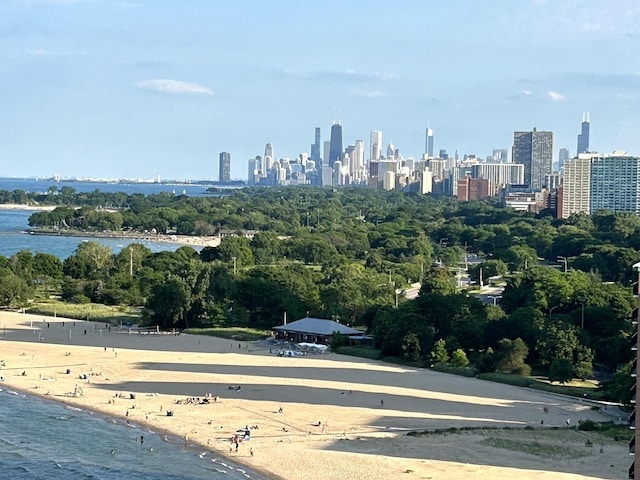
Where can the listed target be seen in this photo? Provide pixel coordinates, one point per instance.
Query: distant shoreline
(24, 206)
(188, 240)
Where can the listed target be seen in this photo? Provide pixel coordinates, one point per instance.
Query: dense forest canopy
(344, 254)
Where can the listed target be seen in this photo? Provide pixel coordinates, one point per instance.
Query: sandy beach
(22, 206)
(317, 416)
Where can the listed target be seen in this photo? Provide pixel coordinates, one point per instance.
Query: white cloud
(174, 87)
(372, 93)
(555, 96)
(526, 92)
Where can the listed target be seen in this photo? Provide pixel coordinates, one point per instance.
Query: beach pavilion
(313, 330)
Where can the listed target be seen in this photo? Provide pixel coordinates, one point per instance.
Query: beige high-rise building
(576, 186)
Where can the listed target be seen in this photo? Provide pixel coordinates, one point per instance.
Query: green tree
(47, 265)
(439, 355)
(169, 302)
(91, 260)
(438, 280)
(14, 291)
(620, 387)
(560, 370)
(512, 356)
(411, 347)
(267, 248)
(488, 269)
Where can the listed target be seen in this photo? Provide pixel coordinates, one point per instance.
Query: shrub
(459, 358)
(463, 371)
(589, 426)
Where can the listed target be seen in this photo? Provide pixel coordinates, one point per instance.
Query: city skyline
(112, 88)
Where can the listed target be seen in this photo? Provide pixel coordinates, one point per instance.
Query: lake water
(14, 222)
(47, 440)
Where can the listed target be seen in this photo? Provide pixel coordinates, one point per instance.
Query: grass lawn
(87, 311)
(241, 334)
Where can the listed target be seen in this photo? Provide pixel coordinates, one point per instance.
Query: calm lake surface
(13, 223)
(47, 440)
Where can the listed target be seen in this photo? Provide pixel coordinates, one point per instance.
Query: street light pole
(564, 261)
(234, 264)
(582, 302)
(494, 298)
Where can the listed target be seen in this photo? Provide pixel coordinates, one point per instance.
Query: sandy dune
(341, 418)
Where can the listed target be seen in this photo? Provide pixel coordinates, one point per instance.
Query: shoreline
(186, 240)
(29, 207)
(165, 435)
(364, 440)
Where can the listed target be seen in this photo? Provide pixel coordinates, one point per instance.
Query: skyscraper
(500, 155)
(535, 151)
(376, 145)
(576, 186)
(428, 146)
(268, 150)
(315, 147)
(356, 166)
(583, 136)
(335, 145)
(224, 174)
(563, 156)
(615, 183)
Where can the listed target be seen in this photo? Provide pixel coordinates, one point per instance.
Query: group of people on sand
(197, 400)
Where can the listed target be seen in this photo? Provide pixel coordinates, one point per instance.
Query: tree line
(344, 254)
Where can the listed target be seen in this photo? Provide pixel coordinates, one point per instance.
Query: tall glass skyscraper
(583, 136)
(224, 174)
(428, 147)
(315, 148)
(335, 145)
(563, 156)
(535, 151)
(375, 140)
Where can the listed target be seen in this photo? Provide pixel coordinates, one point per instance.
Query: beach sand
(24, 206)
(341, 418)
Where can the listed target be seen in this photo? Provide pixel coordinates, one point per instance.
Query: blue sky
(140, 88)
